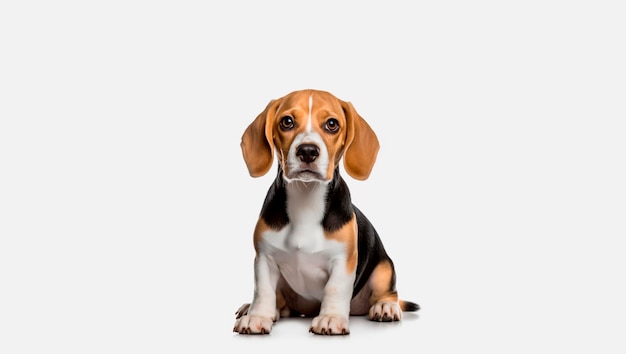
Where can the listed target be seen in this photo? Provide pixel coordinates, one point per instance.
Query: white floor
(126, 211)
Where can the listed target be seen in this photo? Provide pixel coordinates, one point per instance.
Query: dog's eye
(332, 125)
(286, 123)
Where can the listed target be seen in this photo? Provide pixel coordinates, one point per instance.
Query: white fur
(262, 311)
(309, 124)
(294, 165)
(312, 265)
(300, 250)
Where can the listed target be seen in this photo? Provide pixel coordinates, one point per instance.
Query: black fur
(338, 211)
(274, 211)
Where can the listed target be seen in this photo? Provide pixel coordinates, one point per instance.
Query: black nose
(307, 152)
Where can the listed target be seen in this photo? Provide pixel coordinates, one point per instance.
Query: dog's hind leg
(385, 306)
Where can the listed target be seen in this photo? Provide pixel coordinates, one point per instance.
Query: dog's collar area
(304, 186)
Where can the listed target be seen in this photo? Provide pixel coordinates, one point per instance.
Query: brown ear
(361, 144)
(256, 143)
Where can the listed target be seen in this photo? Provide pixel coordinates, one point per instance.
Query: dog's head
(310, 131)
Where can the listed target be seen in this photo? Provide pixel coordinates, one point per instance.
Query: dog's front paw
(242, 311)
(330, 324)
(253, 325)
(384, 311)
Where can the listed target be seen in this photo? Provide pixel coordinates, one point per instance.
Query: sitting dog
(316, 253)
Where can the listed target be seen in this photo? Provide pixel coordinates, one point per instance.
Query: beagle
(317, 255)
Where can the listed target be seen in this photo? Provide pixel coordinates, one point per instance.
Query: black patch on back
(371, 253)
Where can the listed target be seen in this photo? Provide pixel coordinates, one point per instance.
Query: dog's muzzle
(305, 167)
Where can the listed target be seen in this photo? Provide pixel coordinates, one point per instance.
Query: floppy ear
(257, 144)
(361, 144)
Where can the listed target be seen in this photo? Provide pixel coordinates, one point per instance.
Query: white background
(126, 211)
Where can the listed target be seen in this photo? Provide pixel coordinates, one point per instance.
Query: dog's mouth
(305, 175)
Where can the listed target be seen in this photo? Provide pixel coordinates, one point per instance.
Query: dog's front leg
(335, 308)
(262, 312)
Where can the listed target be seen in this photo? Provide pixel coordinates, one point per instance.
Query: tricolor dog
(317, 255)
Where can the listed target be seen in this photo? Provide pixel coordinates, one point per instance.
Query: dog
(317, 255)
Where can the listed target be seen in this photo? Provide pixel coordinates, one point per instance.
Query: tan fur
(380, 283)
(356, 139)
(257, 144)
(260, 228)
(348, 236)
(361, 145)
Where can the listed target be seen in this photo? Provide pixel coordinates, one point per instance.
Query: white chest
(304, 257)
(303, 254)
